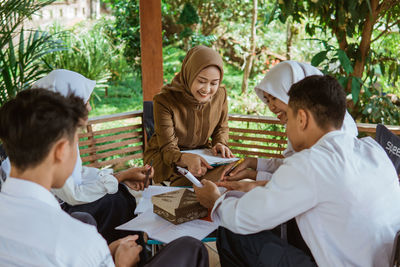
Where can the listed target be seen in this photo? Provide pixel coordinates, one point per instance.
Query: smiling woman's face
(206, 84)
(277, 106)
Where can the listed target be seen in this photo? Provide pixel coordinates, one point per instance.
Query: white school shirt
(34, 231)
(266, 167)
(85, 185)
(343, 192)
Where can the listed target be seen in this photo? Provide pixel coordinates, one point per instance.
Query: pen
(189, 175)
(234, 166)
(148, 173)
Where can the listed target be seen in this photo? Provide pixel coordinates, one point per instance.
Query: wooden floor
(213, 254)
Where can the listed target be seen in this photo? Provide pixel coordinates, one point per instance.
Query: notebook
(207, 154)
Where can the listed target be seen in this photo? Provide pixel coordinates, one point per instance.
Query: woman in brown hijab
(188, 112)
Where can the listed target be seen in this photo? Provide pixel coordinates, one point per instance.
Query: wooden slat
(252, 118)
(260, 139)
(112, 153)
(234, 144)
(99, 164)
(263, 132)
(110, 138)
(110, 146)
(115, 117)
(112, 130)
(255, 153)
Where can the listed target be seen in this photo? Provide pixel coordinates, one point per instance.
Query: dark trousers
(109, 212)
(260, 249)
(182, 252)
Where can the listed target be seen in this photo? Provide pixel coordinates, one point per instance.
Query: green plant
(20, 56)
(126, 29)
(89, 53)
(21, 64)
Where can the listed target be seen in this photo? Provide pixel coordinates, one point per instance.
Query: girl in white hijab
(272, 90)
(86, 184)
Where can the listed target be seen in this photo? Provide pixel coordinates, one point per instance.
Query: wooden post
(151, 48)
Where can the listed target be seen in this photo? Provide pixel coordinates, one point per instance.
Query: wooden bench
(117, 140)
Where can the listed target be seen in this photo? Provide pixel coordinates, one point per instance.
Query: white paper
(210, 158)
(162, 230)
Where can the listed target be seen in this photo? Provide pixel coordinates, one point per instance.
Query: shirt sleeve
(268, 165)
(221, 132)
(96, 252)
(290, 192)
(95, 184)
(263, 176)
(165, 130)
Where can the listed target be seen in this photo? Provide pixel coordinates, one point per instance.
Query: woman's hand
(241, 171)
(196, 164)
(224, 150)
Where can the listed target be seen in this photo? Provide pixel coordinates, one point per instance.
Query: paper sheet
(159, 229)
(211, 159)
(145, 202)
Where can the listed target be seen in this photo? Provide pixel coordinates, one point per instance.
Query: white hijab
(281, 77)
(65, 82)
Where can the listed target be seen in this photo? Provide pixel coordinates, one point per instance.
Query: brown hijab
(198, 58)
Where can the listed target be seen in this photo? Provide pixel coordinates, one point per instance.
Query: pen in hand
(237, 163)
(148, 173)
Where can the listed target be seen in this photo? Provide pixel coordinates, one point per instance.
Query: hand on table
(223, 149)
(136, 178)
(244, 170)
(208, 194)
(196, 164)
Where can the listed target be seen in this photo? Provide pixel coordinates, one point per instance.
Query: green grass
(123, 96)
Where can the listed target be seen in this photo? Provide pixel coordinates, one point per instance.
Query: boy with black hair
(342, 191)
(38, 129)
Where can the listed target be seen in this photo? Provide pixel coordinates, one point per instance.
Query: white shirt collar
(29, 190)
(327, 136)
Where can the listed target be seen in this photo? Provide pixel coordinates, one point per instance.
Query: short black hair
(323, 96)
(34, 120)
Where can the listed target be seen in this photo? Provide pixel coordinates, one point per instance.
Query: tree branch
(385, 30)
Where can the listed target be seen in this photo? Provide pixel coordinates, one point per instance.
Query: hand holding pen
(241, 169)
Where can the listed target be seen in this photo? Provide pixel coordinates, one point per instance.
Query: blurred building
(65, 12)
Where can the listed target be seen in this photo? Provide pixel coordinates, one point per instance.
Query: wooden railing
(112, 140)
(117, 140)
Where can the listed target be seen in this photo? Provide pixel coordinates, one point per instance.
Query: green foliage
(126, 29)
(20, 64)
(89, 53)
(20, 56)
(379, 109)
(188, 15)
(356, 56)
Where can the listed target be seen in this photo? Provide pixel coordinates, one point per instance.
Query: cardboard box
(178, 206)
